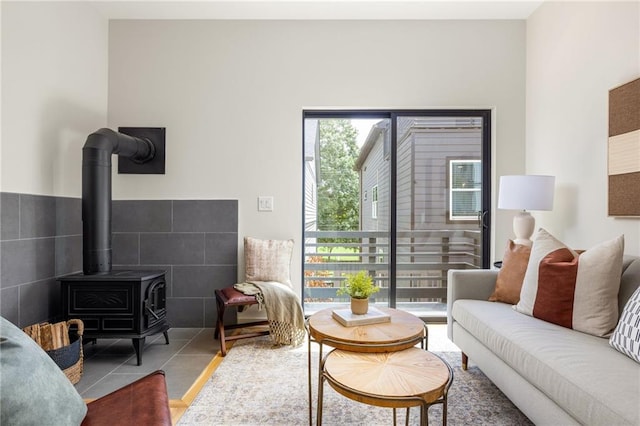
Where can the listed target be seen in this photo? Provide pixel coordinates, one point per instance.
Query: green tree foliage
(338, 188)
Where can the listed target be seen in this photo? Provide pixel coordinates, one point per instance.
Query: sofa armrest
(143, 402)
(477, 284)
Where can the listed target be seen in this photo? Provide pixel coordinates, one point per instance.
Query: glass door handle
(482, 219)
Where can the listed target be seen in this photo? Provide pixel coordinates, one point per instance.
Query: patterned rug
(258, 384)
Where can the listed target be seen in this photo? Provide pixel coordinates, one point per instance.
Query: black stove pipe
(96, 192)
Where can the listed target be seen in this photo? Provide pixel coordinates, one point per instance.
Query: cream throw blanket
(284, 313)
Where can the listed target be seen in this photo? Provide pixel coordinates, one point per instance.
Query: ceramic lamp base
(523, 225)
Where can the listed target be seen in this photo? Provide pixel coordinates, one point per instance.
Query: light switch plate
(265, 204)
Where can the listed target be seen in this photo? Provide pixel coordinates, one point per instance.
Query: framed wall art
(624, 150)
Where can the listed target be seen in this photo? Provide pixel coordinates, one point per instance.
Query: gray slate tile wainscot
(194, 241)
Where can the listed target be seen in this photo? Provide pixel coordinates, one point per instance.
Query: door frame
(393, 115)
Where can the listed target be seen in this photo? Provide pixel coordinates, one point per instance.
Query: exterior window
(465, 186)
(374, 202)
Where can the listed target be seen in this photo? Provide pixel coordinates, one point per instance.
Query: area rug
(259, 384)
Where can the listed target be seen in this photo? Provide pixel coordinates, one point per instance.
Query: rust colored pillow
(511, 275)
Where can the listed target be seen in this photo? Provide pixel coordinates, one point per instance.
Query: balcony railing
(422, 261)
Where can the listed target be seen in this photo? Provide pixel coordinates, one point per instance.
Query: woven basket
(70, 356)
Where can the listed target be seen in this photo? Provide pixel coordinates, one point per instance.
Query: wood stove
(112, 304)
(122, 304)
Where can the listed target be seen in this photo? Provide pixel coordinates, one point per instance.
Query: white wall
(54, 93)
(231, 95)
(576, 53)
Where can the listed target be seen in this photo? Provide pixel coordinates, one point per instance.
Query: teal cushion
(33, 389)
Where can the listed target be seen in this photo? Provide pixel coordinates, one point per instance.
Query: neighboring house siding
(422, 196)
(423, 193)
(310, 179)
(405, 183)
(310, 197)
(432, 150)
(375, 172)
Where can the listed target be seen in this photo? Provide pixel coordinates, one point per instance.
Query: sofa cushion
(511, 275)
(268, 260)
(33, 389)
(571, 290)
(626, 336)
(585, 376)
(630, 280)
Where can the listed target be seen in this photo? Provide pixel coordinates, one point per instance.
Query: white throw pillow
(268, 260)
(626, 336)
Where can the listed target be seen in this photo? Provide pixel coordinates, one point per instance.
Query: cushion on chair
(231, 296)
(268, 260)
(33, 389)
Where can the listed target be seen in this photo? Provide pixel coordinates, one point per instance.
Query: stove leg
(138, 346)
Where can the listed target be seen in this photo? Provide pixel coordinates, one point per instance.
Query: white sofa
(554, 375)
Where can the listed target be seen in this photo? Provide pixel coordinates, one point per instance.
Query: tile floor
(111, 363)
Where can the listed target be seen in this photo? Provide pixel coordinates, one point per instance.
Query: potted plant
(360, 287)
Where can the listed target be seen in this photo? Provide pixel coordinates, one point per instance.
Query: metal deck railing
(423, 259)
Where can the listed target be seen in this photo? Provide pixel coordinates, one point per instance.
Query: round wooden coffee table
(402, 379)
(403, 331)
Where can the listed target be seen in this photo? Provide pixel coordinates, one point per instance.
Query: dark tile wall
(194, 241)
(40, 239)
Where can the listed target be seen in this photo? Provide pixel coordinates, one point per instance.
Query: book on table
(349, 319)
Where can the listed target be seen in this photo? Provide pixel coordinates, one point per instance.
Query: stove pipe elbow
(96, 192)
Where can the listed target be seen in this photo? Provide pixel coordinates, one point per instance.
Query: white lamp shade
(526, 192)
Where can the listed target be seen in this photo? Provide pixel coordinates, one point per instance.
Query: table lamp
(525, 192)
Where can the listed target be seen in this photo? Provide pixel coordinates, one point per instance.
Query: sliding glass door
(402, 195)
(439, 206)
